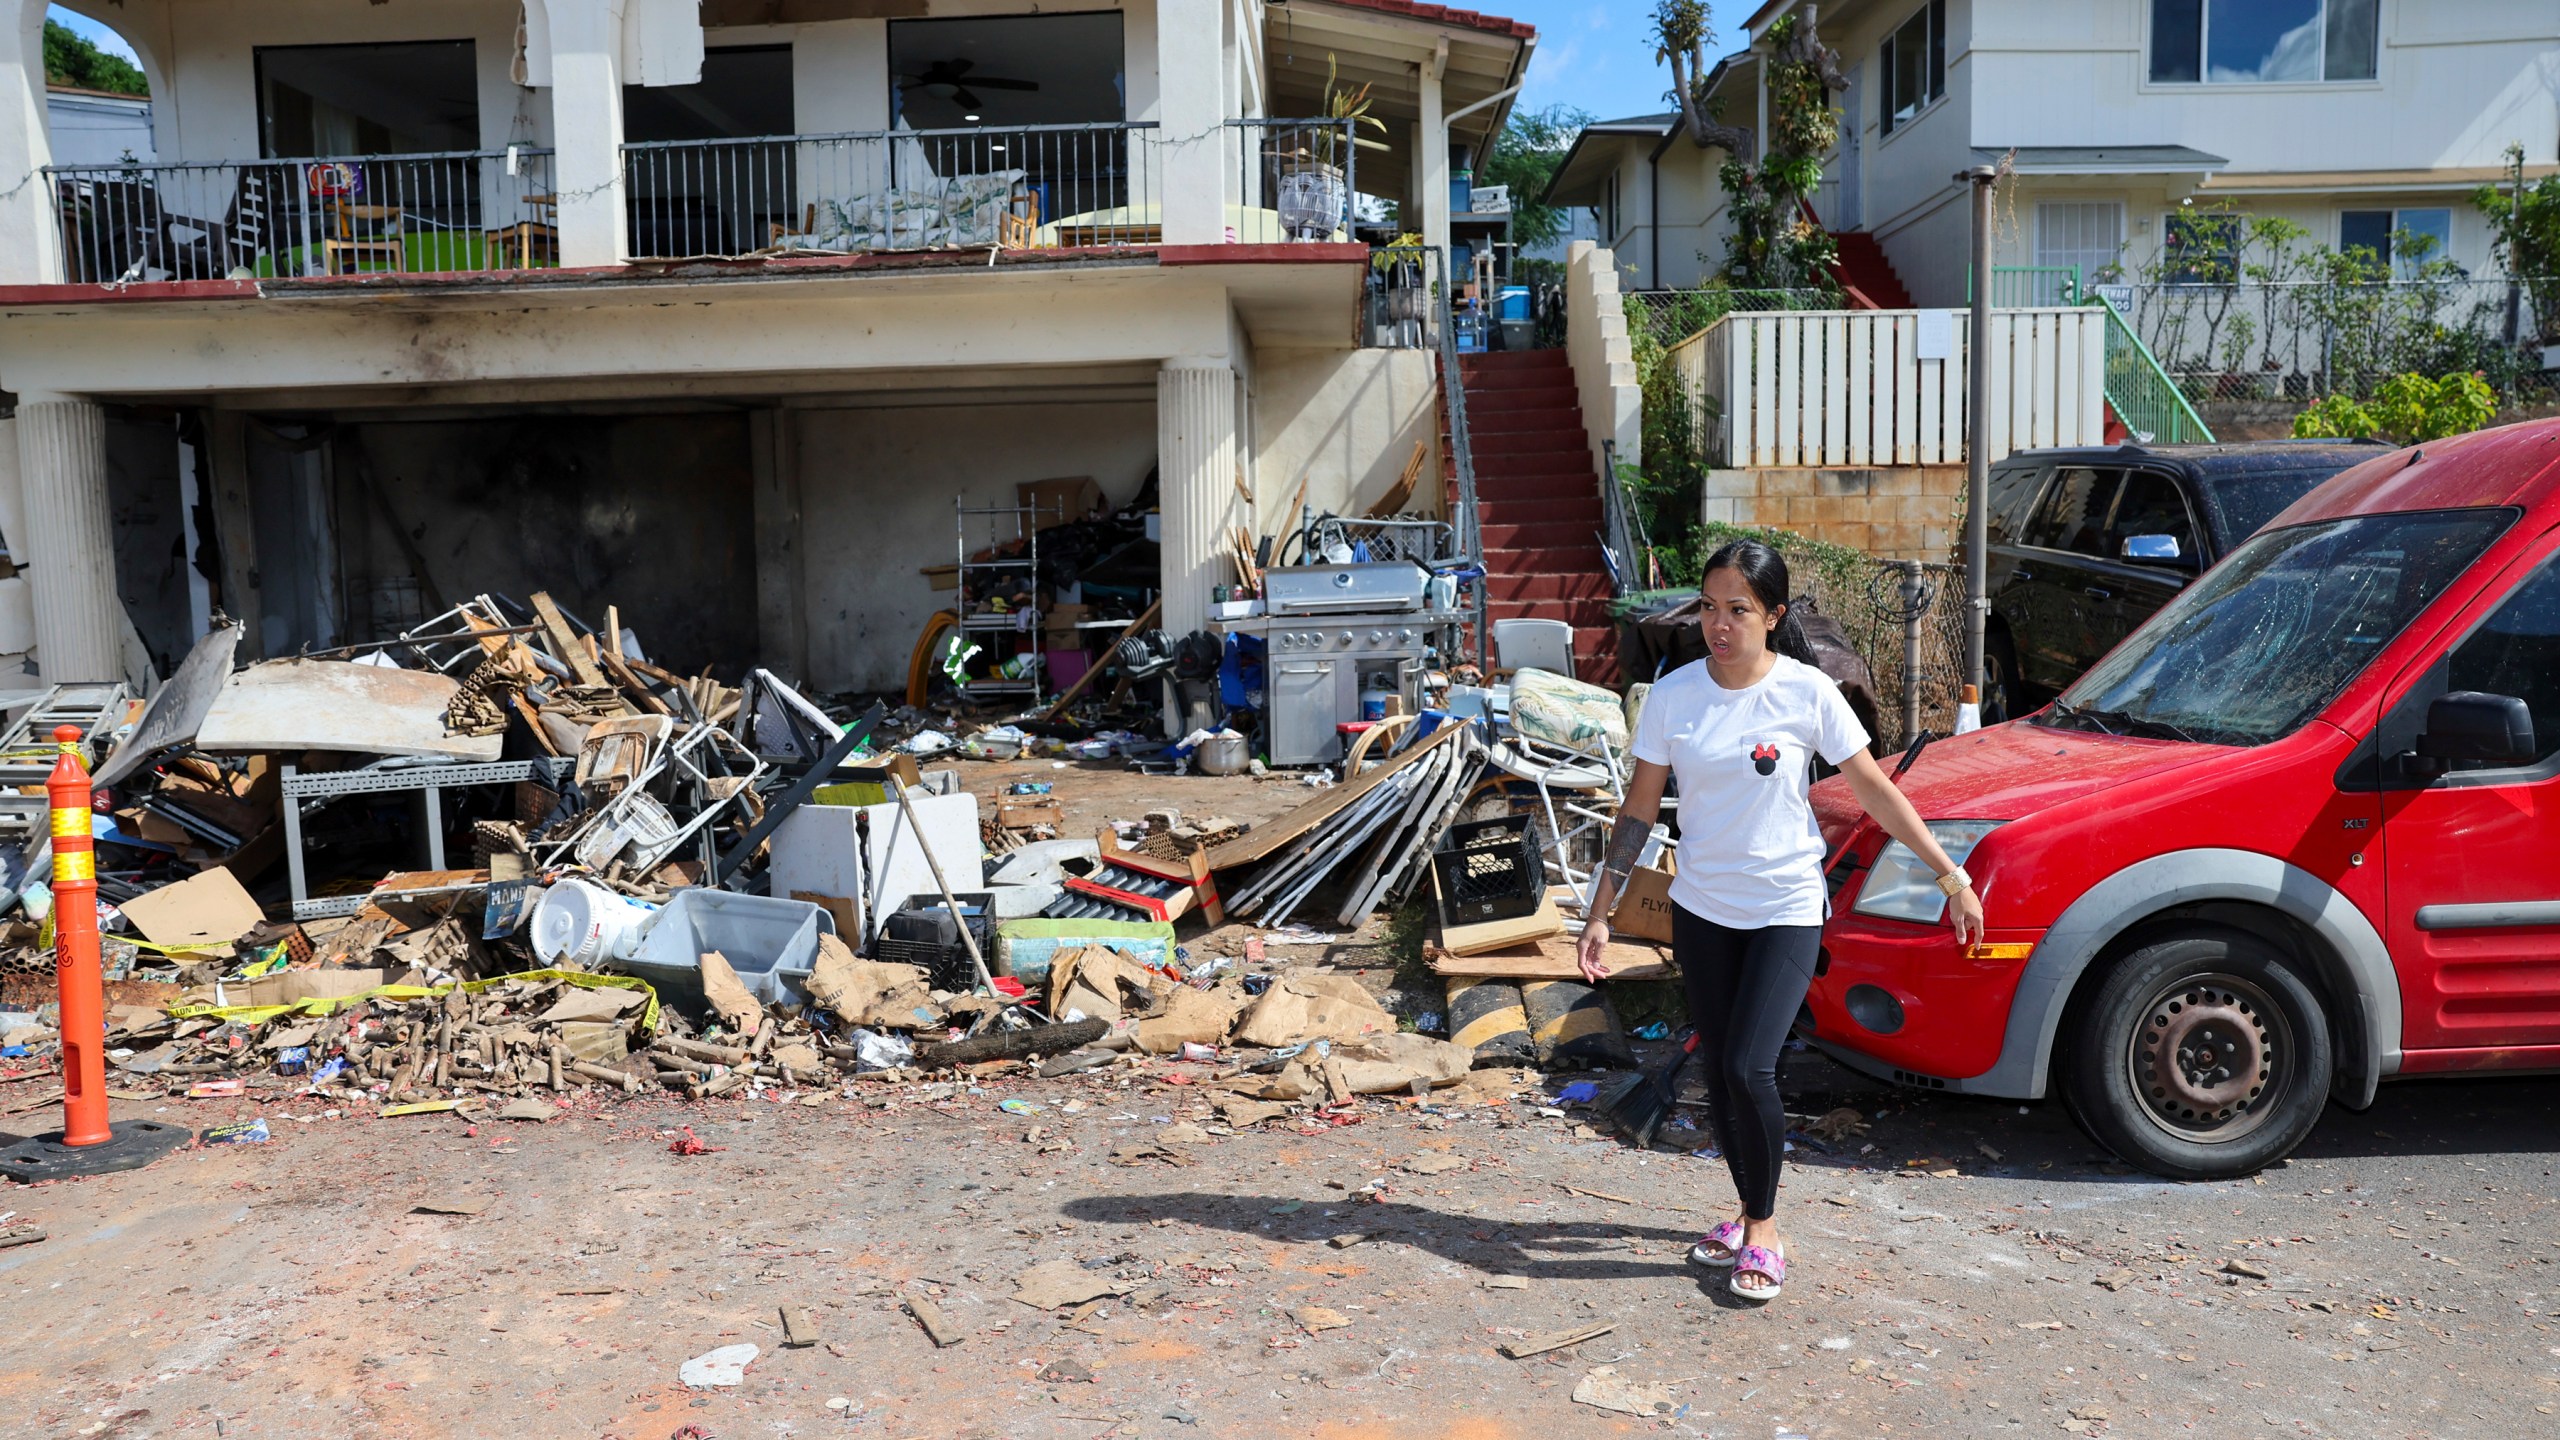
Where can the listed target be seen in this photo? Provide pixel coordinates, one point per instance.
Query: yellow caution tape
(260, 1014)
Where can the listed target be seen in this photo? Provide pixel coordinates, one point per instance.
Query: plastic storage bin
(772, 944)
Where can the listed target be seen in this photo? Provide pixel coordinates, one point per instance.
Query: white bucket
(586, 925)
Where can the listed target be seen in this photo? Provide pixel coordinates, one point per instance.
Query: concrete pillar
(782, 593)
(586, 129)
(1432, 164)
(1196, 483)
(62, 463)
(1196, 149)
(30, 243)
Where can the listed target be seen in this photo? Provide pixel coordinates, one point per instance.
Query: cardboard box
(1070, 497)
(1644, 911)
(1021, 812)
(1058, 626)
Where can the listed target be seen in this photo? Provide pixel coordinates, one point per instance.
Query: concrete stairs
(1863, 269)
(1538, 500)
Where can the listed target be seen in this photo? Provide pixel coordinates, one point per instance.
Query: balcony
(1033, 187)
(442, 213)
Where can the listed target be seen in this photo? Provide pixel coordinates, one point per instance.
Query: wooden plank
(1764, 394)
(1929, 379)
(1486, 936)
(1953, 396)
(2093, 378)
(1790, 390)
(1392, 502)
(2066, 382)
(1839, 402)
(1552, 959)
(1906, 391)
(564, 641)
(1058, 707)
(1259, 842)
(1864, 406)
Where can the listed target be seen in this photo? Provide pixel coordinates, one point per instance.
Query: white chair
(1567, 739)
(1528, 644)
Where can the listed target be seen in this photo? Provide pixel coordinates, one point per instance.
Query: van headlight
(1903, 887)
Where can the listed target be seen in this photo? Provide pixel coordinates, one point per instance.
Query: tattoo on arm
(1626, 842)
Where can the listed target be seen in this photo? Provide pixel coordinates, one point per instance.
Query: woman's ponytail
(1765, 571)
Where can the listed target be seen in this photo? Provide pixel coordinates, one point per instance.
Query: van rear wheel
(2204, 1055)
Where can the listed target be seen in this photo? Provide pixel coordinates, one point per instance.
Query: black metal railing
(1296, 180)
(452, 211)
(1024, 187)
(1403, 304)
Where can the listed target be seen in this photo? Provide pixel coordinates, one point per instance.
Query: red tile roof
(1444, 15)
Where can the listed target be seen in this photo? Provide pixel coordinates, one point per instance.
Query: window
(744, 91)
(336, 100)
(2013, 490)
(2073, 516)
(2405, 239)
(2239, 42)
(2087, 234)
(2149, 504)
(1915, 64)
(1006, 70)
(1607, 211)
(2516, 651)
(2269, 638)
(2203, 248)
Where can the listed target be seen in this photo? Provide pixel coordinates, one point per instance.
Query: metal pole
(1977, 428)
(1914, 599)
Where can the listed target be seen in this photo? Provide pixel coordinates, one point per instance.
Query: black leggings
(1745, 987)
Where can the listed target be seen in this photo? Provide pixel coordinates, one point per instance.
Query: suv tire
(2203, 1055)
(2004, 696)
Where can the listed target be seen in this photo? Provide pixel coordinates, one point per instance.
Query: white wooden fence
(1856, 388)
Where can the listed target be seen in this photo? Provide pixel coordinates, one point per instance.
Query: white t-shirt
(1750, 850)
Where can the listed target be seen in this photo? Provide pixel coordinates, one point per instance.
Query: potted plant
(1315, 194)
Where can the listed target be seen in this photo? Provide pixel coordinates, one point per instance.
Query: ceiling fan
(953, 75)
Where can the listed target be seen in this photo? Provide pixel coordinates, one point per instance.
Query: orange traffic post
(87, 1144)
(83, 983)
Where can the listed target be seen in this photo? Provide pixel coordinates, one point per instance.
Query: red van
(2299, 833)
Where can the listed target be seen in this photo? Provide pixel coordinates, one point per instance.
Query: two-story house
(2368, 122)
(711, 309)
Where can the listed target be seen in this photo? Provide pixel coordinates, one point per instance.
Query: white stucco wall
(876, 502)
(1343, 422)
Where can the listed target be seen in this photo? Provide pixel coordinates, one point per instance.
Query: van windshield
(2257, 647)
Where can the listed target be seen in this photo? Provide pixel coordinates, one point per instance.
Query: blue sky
(1591, 53)
(99, 35)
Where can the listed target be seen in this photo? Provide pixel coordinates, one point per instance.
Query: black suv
(2087, 543)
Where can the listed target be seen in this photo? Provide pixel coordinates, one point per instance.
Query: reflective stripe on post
(81, 982)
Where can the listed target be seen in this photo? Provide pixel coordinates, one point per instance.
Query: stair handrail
(1623, 542)
(1453, 393)
(2150, 404)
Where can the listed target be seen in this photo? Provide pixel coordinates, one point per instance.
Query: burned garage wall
(146, 506)
(876, 497)
(652, 513)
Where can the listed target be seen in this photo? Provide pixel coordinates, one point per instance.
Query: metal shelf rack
(1025, 522)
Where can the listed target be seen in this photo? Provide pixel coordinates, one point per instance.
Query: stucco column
(30, 246)
(1196, 484)
(62, 463)
(1197, 150)
(586, 130)
(1432, 135)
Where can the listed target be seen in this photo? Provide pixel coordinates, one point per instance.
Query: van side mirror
(2470, 725)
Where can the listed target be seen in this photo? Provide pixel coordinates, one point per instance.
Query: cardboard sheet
(207, 909)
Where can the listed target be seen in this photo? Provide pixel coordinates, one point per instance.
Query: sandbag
(1487, 1018)
(1574, 1026)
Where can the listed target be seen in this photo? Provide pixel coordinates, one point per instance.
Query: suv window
(2073, 515)
(2516, 651)
(2012, 491)
(2149, 504)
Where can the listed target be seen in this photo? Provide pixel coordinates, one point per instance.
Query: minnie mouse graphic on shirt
(1764, 758)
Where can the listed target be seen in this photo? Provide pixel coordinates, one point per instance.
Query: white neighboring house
(2361, 120)
(97, 127)
(712, 309)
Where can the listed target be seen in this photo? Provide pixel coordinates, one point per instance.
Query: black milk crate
(922, 933)
(1490, 870)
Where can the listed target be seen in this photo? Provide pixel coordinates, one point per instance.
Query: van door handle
(2095, 593)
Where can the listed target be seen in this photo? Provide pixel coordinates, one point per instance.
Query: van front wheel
(2204, 1055)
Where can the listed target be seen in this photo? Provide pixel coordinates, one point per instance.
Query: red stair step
(1546, 587)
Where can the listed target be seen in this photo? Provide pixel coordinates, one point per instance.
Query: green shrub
(2406, 410)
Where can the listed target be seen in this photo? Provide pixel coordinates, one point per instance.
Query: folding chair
(1567, 739)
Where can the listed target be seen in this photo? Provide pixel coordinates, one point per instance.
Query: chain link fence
(1667, 317)
(2299, 341)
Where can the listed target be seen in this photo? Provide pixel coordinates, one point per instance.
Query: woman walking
(1740, 730)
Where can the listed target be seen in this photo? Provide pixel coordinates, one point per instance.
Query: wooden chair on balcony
(363, 232)
(528, 244)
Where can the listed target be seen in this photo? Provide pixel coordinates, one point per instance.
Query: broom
(1636, 1104)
